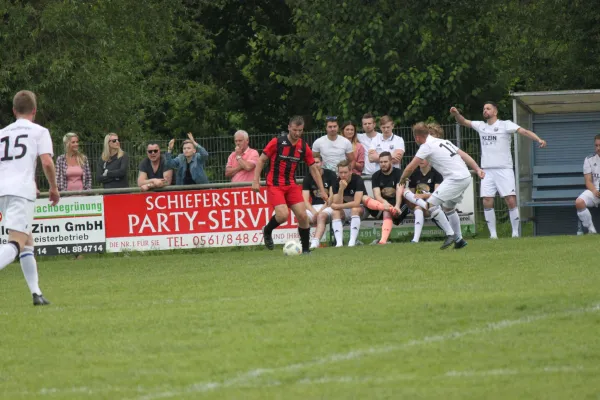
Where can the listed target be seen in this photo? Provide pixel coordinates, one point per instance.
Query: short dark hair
(315, 156)
(296, 120)
(492, 104)
(597, 137)
(385, 154)
(368, 115)
(153, 144)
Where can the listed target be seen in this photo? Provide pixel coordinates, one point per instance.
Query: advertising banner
(73, 226)
(190, 219)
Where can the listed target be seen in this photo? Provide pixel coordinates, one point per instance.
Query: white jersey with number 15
(444, 158)
(20, 145)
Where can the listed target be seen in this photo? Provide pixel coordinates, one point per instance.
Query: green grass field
(506, 319)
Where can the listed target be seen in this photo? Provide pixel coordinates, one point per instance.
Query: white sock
(354, 229)
(314, 243)
(514, 221)
(8, 253)
(410, 196)
(338, 232)
(586, 219)
(442, 220)
(29, 267)
(490, 218)
(454, 220)
(419, 221)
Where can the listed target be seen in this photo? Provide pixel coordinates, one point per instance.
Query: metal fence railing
(219, 149)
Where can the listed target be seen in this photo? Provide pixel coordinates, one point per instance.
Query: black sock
(271, 225)
(304, 238)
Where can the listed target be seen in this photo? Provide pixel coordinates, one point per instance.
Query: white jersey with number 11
(20, 145)
(444, 158)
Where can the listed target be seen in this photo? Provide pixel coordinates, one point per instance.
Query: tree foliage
(165, 67)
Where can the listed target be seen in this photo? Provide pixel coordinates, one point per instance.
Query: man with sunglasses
(153, 171)
(333, 148)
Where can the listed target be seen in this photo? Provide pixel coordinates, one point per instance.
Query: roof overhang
(560, 102)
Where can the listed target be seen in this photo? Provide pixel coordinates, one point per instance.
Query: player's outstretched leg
(454, 220)
(410, 196)
(30, 272)
(438, 215)
(8, 253)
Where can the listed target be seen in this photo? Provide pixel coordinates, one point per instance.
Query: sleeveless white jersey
(444, 158)
(495, 143)
(591, 165)
(20, 145)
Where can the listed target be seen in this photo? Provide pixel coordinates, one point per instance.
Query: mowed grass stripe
(141, 324)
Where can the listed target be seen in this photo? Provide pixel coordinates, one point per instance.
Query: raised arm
(531, 135)
(459, 118)
(409, 169)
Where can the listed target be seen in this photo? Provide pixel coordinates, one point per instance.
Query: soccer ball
(292, 248)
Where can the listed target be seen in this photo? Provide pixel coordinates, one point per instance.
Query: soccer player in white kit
(591, 197)
(20, 145)
(496, 161)
(449, 161)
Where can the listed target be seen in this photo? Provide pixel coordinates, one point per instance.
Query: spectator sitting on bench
(348, 193)
(189, 164)
(318, 212)
(591, 197)
(424, 181)
(387, 193)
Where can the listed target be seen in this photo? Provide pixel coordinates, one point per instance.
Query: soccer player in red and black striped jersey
(284, 153)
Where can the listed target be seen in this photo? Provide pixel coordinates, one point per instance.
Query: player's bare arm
(316, 174)
(589, 185)
(459, 118)
(258, 170)
(471, 163)
(378, 197)
(409, 169)
(531, 135)
(50, 172)
(399, 193)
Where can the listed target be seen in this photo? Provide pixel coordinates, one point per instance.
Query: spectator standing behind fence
(242, 161)
(349, 132)
(73, 168)
(153, 171)
(333, 148)
(189, 164)
(113, 165)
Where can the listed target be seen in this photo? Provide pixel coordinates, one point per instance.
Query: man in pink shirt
(241, 163)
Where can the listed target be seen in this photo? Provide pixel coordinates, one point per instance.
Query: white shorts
(348, 213)
(16, 213)
(449, 193)
(498, 180)
(318, 207)
(590, 199)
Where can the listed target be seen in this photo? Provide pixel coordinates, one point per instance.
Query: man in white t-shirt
(333, 148)
(591, 197)
(496, 160)
(20, 145)
(368, 124)
(387, 141)
(449, 161)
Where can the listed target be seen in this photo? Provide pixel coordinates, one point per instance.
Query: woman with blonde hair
(349, 132)
(113, 164)
(73, 168)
